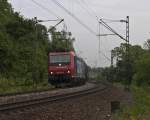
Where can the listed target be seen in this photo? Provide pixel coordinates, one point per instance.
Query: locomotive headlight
(68, 71)
(51, 73)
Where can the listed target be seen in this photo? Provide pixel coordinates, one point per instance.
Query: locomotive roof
(61, 53)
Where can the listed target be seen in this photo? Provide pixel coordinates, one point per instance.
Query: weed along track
(21, 101)
(88, 102)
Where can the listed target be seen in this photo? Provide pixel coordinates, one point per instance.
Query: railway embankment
(97, 105)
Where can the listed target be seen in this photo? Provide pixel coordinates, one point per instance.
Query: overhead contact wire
(85, 8)
(74, 17)
(84, 2)
(46, 9)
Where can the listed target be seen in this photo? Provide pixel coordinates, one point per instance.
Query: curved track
(52, 98)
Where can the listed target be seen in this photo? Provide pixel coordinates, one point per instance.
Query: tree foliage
(138, 69)
(142, 68)
(24, 45)
(61, 41)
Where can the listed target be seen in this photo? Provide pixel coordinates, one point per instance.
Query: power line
(112, 30)
(99, 48)
(92, 11)
(85, 8)
(105, 56)
(48, 20)
(73, 16)
(110, 20)
(46, 9)
(78, 20)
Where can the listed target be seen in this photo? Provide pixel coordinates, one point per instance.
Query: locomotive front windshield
(57, 59)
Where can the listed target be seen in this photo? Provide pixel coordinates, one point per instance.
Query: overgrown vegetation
(139, 82)
(24, 47)
(139, 62)
(8, 86)
(140, 109)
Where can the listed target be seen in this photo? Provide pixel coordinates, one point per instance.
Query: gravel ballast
(95, 106)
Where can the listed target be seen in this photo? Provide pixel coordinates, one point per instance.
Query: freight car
(66, 68)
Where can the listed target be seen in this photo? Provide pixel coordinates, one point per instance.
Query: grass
(140, 110)
(21, 86)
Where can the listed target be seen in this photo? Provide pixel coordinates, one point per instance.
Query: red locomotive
(66, 68)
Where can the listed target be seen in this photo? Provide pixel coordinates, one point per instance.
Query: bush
(140, 109)
(142, 70)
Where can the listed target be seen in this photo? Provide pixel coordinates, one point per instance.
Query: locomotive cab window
(57, 59)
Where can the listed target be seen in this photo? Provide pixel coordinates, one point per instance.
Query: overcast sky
(86, 43)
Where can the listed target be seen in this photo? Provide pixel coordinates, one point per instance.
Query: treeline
(135, 70)
(24, 46)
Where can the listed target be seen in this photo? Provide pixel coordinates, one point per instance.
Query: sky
(89, 12)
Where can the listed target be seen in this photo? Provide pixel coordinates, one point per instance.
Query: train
(66, 68)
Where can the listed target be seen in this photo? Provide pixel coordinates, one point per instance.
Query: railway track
(51, 98)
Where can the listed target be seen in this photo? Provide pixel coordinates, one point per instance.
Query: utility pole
(127, 29)
(112, 58)
(128, 64)
(59, 21)
(57, 24)
(35, 72)
(126, 39)
(36, 45)
(99, 44)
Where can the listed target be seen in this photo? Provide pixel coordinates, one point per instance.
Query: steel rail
(26, 92)
(50, 99)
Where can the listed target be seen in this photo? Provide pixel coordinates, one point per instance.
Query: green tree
(125, 67)
(24, 45)
(61, 41)
(142, 67)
